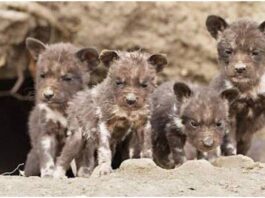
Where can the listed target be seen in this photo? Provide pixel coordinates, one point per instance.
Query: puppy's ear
(230, 94)
(89, 56)
(35, 47)
(182, 91)
(158, 61)
(108, 56)
(215, 25)
(262, 27)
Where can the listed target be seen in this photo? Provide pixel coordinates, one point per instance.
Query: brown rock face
(175, 28)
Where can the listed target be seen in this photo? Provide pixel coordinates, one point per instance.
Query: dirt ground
(229, 176)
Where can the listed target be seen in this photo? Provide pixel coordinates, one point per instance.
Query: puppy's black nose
(208, 141)
(130, 102)
(240, 70)
(48, 93)
(48, 96)
(131, 99)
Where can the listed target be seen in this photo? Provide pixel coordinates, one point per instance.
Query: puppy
(62, 70)
(103, 117)
(188, 114)
(241, 56)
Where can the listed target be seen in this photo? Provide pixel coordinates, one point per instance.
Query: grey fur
(102, 117)
(60, 74)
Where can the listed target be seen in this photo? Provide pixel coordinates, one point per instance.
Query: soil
(227, 176)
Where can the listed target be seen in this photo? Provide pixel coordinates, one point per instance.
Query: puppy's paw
(47, 172)
(102, 169)
(230, 150)
(147, 154)
(59, 173)
(84, 172)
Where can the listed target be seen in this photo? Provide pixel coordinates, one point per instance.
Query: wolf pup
(187, 113)
(61, 72)
(105, 115)
(241, 47)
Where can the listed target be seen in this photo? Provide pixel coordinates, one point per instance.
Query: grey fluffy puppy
(62, 70)
(241, 47)
(104, 116)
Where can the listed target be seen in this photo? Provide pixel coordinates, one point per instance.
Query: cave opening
(14, 139)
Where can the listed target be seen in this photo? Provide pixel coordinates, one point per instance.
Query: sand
(227, 176)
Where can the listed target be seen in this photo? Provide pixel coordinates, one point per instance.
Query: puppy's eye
(144, 85)
(66, 78)
(228, 51)
(219, 124)
(194, 124)
(42, 75)
(255, 53)
(119, 83)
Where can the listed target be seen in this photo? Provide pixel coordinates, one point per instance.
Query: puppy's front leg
(104, 150)
(86, 160)
(71, 149)
(229, 145)
(147, 143)
(32, 164)
(47, 150)
(176, 144)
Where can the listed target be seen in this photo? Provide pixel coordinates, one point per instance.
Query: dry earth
(229, 176)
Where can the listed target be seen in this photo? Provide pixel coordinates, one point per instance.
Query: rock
(138, 164)
(18, 21)
(175, 28)
(196, 164)
(155, 26)
(236, 161)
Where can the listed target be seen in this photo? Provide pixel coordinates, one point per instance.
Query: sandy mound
(229, 176)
